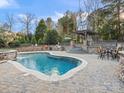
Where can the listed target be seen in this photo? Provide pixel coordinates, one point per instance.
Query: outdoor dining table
(109, 52)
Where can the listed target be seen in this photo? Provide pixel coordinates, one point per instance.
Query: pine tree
(40, 30)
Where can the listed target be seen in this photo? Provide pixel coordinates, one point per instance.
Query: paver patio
(99, 76)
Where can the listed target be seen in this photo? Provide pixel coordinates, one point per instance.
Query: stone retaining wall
(8, 55)
(37, 48)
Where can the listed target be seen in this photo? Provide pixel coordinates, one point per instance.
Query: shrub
(40, 42)
(14, 44)
(2, 43)
(51, 37)
(33, 40)
(22, 40)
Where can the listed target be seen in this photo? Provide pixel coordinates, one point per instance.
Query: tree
(27, 20)
(40, 30)
(10, 21)
(49, 23)
(102, 23)
(51, 37)
(116, 6)
(14, 44)
(106, 20)
(91, 7)
(33, 40)
(21, 37)
(68, 23)
(40, 42)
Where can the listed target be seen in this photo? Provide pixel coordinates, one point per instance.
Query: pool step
(55, 74)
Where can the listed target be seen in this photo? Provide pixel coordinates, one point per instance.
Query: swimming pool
(47, 63)
(62, 65)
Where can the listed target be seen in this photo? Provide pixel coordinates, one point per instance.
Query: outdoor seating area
(108, 49)
(108, 53)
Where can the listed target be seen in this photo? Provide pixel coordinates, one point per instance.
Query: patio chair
(115, 53)
(101, 52)
(109, 53)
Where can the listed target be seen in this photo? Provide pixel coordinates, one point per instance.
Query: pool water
(48, 64)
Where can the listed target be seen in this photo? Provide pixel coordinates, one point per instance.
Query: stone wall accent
(8, 55)
(36, 48)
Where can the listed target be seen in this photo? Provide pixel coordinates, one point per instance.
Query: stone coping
(55, 77)
(8, 51)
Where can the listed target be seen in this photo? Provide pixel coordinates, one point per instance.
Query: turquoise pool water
(48, 64)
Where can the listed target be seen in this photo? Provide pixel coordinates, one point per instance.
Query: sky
(41, 8)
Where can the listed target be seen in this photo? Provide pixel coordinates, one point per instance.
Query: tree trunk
(118, 18)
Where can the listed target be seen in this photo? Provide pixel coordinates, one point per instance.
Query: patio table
(108, 52)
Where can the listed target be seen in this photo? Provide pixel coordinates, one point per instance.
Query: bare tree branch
(10, 21)
(27, 20)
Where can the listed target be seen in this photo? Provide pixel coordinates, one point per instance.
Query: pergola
(85, 32)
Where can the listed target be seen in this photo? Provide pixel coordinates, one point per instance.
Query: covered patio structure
(88, 38)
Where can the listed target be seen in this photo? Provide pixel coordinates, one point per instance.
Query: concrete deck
(99, 76)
